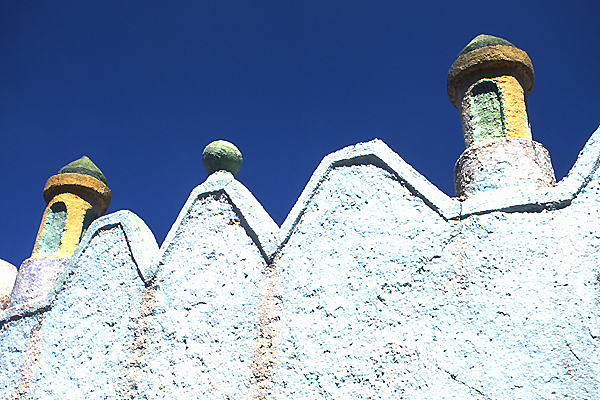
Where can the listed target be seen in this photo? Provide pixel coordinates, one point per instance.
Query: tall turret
(75, 197)
(488, 84)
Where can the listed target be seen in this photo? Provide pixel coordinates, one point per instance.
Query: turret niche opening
(52, 231)
(489, 115)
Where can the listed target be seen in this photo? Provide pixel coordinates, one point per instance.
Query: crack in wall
(455, 378)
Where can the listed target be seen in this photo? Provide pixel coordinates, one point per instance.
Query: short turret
(488, 84)
(75, 197)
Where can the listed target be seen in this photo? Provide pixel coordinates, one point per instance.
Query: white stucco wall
(377, 285)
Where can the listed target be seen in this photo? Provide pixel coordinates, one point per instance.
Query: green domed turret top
(84, 166)
(483, 41)
(490, 54)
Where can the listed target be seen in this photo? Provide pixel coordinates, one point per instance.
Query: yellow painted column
(75, 197)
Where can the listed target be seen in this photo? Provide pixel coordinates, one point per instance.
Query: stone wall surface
(377, 285)
(8, 274)
(356, 279)
(521, 320)
(79, 342)
(495, 304)
(17, 338)
(89, 331)
(88, 334)
(203, 314)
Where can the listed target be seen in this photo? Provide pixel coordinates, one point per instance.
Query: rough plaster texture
(204, 311)
(17, 338)
(206, 298)
(34, 279)
(78, 341)
(99, 305)
(358, 249)
(508, 164)
(377, 285)
(519, 322)
(8, 274)
(489, 305)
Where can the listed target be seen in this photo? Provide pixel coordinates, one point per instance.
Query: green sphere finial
(221, 155)
(83, 166)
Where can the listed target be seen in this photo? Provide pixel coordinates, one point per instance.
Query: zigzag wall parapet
(372, 253)
(377, 285)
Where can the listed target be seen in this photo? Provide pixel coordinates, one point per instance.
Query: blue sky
(141, 87)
